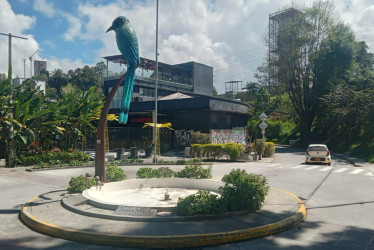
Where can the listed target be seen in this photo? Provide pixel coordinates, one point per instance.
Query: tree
(306, 44)
(250, 91)
(215, 92)
(86, 77)
(78, 111)
(262, 100)
(5, 111)
(100, 69)
(58, 80)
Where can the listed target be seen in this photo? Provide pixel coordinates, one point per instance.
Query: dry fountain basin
(156, 197)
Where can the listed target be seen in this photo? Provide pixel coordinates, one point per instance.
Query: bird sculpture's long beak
(110, 28)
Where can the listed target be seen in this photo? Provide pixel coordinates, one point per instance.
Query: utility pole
(156, 88)
(11, 138)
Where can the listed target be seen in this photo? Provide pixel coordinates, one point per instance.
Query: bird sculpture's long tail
(128, 86)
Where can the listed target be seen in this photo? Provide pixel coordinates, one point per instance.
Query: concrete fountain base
(142, 199)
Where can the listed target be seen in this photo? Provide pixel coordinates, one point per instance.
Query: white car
(318, 153)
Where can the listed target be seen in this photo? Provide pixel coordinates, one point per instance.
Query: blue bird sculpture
(127, 43)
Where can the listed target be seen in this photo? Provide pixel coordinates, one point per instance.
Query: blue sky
(50, 27)
(225, 34)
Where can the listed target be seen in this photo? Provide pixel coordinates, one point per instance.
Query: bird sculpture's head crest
(118, 22)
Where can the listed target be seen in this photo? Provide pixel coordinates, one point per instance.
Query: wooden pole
(100, 133)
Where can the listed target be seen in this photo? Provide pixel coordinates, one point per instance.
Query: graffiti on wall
(220, 136)
(183, 137)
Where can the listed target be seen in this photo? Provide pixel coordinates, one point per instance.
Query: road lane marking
(370, 174)
(356, 171)
(310, 168)
(272, 165)
(325, 169)
(300, 166)
(341, 170)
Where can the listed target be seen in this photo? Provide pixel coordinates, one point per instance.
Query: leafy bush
(181, 161)
(131, 161)
(243, 191)
(281, 131)
(165, 172)
(203, 202)
(197, 160)
(114, 173)
(53, 158)
(197, 149)
(213, 150)
(80, 183)
(269, 149)
(195, 171)
(200, 138)
(260, 146)
(233, 150)
(146, 173)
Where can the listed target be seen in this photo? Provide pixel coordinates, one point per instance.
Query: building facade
(185, 99)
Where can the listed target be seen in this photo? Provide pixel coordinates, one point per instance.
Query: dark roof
(146, 63)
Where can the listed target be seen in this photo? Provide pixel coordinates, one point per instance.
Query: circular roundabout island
(139, 213)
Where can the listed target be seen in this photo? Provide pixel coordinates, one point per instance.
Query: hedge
(269, 149)
(214, 151)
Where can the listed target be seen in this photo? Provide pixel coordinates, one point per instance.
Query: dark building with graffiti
(185, 99)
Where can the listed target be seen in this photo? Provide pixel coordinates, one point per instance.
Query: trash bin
(148, 152)
(119, 151)
(134, 153)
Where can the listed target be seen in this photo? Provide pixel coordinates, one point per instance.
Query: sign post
(263, 125)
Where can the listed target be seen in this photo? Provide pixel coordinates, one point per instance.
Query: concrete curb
(179, 241)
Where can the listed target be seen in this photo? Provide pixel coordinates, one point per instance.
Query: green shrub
(269, 149)
(114, 173)
(146, 173)
(233, 150)
(212, 151)
(280, 131)
(165, 172)
(197, 160)
(203, 202)
(131, 161)
(195, 172)
(53, 158)
(260, 146)
(200, 138)
(181, 161)
(197, 149)
(243, 191)
(80, 183)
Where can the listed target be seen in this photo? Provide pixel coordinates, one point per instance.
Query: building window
(116, 103)
(146, 92)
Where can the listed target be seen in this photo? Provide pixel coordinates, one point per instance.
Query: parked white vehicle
(318, 153)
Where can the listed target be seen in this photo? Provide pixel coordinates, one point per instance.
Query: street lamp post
(156, 87)
(11, 138)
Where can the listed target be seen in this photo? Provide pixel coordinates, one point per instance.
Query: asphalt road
(339, 200)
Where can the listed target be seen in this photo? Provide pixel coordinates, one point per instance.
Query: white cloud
(44, 7)
(65, 64)
(16, 24)
(50, 44)
(74, 29)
